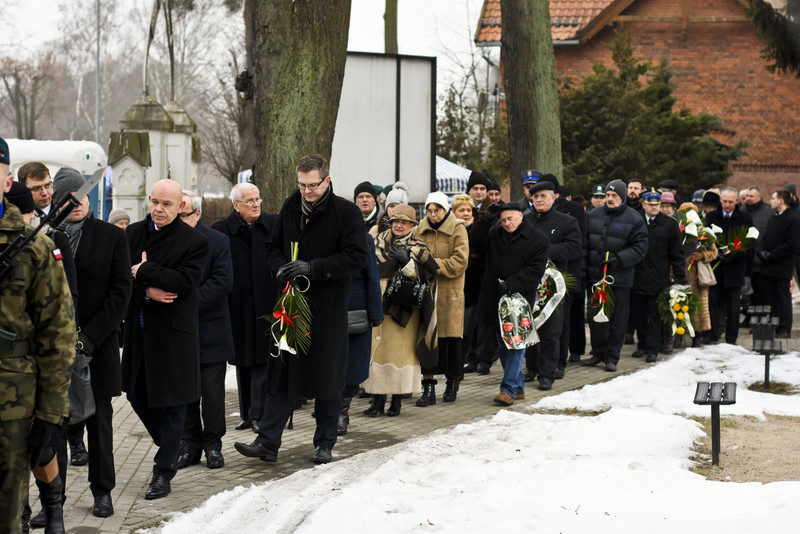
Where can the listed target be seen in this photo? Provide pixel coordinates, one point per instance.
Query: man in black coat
(102, 263)
(252, 298)
(617, 241)
(777, 252)
(160, 357)
(329, 231)
(652, 275)
(565, 246)
(517, 255)
(216, 345)
(725, 297)
(761, 212)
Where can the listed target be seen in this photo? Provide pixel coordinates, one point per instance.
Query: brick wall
(719, 70)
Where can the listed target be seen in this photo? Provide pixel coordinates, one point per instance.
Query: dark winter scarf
(309, 207)
(436, 226)
(74, 230)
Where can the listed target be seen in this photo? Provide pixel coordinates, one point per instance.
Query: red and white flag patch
(57, 253)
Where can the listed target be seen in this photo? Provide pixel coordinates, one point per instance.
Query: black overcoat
(216, 340)
(519, 259)
(254, 290)
(664, 250)
(781, 240)
(365, 294)
(161, 340)
(732, 267)
(333, 241)
(620, 231)
(562, 232)
(103, 265)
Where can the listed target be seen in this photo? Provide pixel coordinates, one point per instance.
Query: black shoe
(187, 458)
(103, 506)
(470, 367)
(214, 459)
(545, 384)
(696, 341)
(594, 360)
(377, 406)
(574, 358)
(38, 521)
(483, 368)
(667, 347)
(530, 376)
(428, 397)
(158, 488)
(651, 358)
(256, 450)
(783, 335)
(637, 353)
(559, 373)
(322, 456)
(244, 424)
(394, 407)
(611, 367)
(254, 426)
(78, 454)
(450, 390)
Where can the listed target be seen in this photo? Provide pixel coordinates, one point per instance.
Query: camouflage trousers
(15, 473)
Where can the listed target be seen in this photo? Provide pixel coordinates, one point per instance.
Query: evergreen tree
(780, 32)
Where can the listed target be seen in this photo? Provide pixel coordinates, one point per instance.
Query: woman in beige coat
(447, 239)
(701, 319)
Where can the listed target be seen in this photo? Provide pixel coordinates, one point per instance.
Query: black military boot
(394, 408)
(26, 516)
(52, 505)
(378, 403)
(451, 390)
(428, 393)
(344, 417)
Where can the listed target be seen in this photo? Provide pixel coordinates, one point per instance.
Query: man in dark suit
(725, 297)
(216, 345)
(329, 231)
(566, 245)
(252, 298)
(102, 263)
(777, 252)
(160, 357)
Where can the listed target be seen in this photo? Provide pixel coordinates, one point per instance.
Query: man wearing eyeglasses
(36, 177)
(251, 299)
(330, 233)
(203, 432)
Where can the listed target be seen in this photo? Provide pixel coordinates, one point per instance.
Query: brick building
(716, 57)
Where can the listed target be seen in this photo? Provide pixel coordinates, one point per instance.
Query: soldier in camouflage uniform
(37, 347)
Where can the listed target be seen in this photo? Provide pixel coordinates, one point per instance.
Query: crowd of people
(402, 298)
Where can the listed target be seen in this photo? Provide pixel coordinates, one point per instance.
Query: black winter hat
(618, 187)
(21, 197)
(365, 187)
(494, 187)
(477, 178)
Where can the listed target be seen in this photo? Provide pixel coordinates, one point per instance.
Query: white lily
(284, 345)
(600, 317)
(691, 229)
(716, 229)
(693, 217)
(752, 233)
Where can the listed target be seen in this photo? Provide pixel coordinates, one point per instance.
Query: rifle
(53, 219)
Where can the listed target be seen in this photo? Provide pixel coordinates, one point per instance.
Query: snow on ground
(625, 470)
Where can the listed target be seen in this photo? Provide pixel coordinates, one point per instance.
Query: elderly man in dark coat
(102, 263)
(617, 238)
(160, 357)
(252, 297)
(330, 234)
(517, 255)
(725, 297)
(216, 345)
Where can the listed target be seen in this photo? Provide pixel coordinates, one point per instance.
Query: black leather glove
(297, 268)
(376, 322)
(502, 289)
(39, 440)
(400, 255)
(612, 260)
(763, 255)
(280, 276)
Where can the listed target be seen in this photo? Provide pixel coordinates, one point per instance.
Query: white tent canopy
(451, 178)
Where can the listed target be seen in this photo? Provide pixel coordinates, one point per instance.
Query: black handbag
(357, 322)
(406, 291)
(81, 399)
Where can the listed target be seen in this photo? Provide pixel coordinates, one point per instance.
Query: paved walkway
(134, 450)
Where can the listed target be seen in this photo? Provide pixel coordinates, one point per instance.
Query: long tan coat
(450, 247)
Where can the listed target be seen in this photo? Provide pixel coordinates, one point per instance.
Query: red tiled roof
(567, 18)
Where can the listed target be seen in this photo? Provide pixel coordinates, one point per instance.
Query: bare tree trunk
(390, 27)
(534, 131)
(298, 50)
